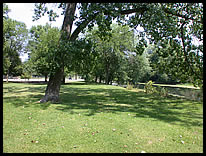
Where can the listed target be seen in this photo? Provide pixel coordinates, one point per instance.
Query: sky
(24, 11)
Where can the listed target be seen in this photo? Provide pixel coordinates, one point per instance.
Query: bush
(26, 76)
(129, 86)
(149, 88)
(163, 91)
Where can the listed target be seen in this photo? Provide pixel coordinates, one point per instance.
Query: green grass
(98, 118)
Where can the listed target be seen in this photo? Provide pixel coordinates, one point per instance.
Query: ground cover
(99, 118)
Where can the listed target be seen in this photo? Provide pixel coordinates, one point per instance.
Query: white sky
(24, 11)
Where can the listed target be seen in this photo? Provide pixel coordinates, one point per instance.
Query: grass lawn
(98, 118)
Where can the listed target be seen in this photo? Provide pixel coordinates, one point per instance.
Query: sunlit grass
(98, 118)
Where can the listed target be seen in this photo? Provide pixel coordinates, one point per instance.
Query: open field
(99, 119)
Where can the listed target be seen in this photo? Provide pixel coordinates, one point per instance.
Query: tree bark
(75, 76)
(7, 77)
(96, 77)
(46, 77)
(54, 84)
(53, 87)
(189, 64)
(100, 79)
(64, 79)
(107, 73)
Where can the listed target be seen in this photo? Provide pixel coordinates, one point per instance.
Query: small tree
(43, 43)
(27, 70)
(14, 36)
(149, 88)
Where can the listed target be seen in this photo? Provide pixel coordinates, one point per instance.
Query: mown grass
(94, 118)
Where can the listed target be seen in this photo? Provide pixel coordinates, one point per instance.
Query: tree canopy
(42, 45)
(173, 25)
(14, 36)
(170, 28)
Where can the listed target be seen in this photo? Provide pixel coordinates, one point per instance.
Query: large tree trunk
(7, 77)
(100, 79)
(53, 86)
(64, 79)
(107, 73)
(46, 77)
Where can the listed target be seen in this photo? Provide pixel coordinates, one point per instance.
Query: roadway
(37, 80)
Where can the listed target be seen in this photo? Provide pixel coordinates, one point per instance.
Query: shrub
(129, 86)
(163, 91)
(26, 76)
(149, 88)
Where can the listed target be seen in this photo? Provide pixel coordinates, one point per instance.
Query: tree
(177, 26)
(161, 21)
(81, 57)
(42, 45)
(6, 10)
(14, 36)
(53, 86)
(27, 70)
(160, 71)
(114, 59)
(109, 54)
(138, 68)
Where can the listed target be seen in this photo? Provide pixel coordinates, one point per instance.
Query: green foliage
(14, 36)
(149, 88)
(169, 58)
(26, 76)
(27, 70)
(6, 10)
(178, 54)
(129, 86)
(163, 91)
(115, 59)
(79, 56)
(44, 46)
(171, 27)
(138, 69)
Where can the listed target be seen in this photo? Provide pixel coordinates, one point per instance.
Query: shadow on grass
(93, 100)
(24, 94)
(170, 110)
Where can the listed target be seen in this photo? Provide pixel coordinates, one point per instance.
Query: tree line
(109, 52)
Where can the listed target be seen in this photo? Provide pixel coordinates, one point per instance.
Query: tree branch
(178, 15)
(130, 11)
(184, 50)
(68, 19)
(86, 21)
(82, 26)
